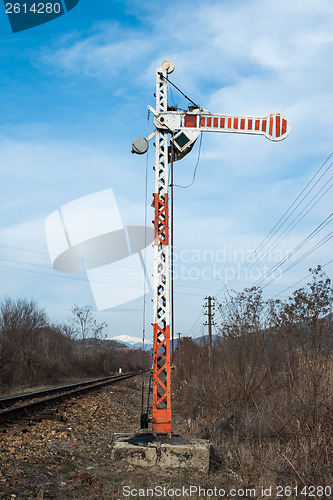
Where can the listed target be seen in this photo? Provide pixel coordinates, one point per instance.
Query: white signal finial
(168, 65)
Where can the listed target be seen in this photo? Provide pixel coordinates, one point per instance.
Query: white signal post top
(185, 126)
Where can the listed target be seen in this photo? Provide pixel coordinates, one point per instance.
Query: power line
(63, 276)
(309, 252)
(281, 221)
(297, 248)
(195, 324)
(112, 276)
(302, 198)
(299, 281)
(284, 234)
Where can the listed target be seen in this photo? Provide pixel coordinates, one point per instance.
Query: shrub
(266, 399)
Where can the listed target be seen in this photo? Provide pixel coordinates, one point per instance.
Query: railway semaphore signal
(180, 129)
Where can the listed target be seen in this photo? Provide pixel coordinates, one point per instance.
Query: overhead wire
(68, 259)
(235, 277)
(195, 324)
(299, 281)
(293, 224)
(309, 252)
(281, 221)
(314, 233)
(99, 281)
(301, 244)
(306, 195)
(86, 280)
(111, 276)
(286, 232)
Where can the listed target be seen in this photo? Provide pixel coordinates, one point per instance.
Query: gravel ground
(71, 459)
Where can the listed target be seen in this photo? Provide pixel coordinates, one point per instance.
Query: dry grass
(266, 400)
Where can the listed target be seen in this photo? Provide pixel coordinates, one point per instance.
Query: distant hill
(132, 342)
(136, 343)
(204, 339)
(101, 343)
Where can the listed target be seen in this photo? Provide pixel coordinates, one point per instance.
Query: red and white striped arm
(275, 127)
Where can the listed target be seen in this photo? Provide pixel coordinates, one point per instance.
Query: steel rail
(5, 402)
(68, 392)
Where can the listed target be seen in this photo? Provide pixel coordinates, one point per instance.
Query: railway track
(22, 406)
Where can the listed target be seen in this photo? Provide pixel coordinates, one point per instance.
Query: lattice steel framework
(161, 411)
(183, 127)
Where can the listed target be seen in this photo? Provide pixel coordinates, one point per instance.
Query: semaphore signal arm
(185, 126)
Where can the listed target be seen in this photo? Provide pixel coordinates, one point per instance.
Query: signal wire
(172, 311)
(145, 249)
(169, 81)
(196, 166)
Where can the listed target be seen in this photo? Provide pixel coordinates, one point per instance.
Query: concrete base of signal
(146, 450)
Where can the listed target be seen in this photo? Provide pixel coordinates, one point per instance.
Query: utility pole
(175, 134)
(210, 305)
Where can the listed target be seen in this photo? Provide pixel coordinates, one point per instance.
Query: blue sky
(74, 94)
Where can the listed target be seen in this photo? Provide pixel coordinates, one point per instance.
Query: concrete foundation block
(194, 455)
(168, 453)
(134, 455)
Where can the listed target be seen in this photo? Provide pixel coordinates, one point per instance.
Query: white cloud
(105, 52)
(256, 56)
(238, 57)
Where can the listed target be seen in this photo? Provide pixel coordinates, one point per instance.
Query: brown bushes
(33, 352)
(266, 402)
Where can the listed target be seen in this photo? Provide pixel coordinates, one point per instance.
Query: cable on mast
(195, 170)
(145, 249)
(182, 93)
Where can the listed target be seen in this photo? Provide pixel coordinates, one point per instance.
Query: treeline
(264, 396)
(35, 352)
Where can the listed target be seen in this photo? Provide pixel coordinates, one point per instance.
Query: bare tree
(19, 315)
(20, 323)
(84, 325)
(266, 399)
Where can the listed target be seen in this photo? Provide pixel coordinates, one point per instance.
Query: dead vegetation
(35, 352)
(265, 402)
